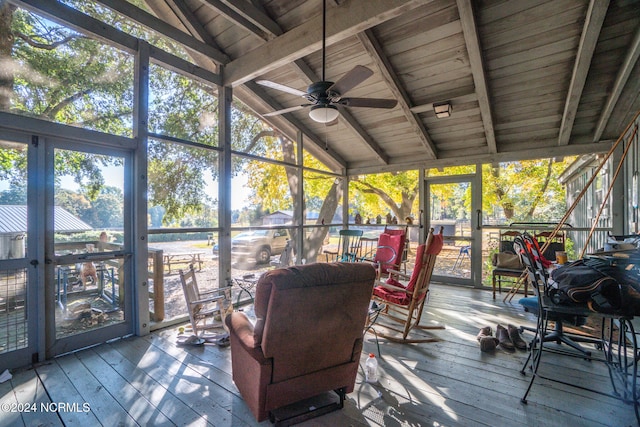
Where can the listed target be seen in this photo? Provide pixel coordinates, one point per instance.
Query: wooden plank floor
(152, 381)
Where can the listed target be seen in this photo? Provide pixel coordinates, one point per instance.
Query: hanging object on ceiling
(326, 98)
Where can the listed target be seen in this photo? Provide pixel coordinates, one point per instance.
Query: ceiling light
(442, 109)
(324, 113)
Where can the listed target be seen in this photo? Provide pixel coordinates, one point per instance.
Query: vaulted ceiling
(525, 79)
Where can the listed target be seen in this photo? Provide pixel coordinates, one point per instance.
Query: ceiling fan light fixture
(324, 113)
(442, 109)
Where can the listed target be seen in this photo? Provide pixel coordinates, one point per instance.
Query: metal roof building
(13, 219)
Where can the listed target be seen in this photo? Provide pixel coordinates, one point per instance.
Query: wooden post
(157, 275)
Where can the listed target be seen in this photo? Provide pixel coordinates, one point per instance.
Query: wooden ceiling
(526, 79)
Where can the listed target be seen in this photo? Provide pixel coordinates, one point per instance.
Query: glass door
(19, 258)
(88, 248)
(449, 205)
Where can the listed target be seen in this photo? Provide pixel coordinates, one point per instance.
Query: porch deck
(151, 381)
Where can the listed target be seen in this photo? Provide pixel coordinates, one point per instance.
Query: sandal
(190, 340)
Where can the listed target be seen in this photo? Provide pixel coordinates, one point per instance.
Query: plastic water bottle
(371, 369)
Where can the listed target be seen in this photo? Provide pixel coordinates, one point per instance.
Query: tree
(275, 187)
(16, 195)
(379, 194)
(529, 190)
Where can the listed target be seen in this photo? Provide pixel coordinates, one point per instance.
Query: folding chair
(405, 303)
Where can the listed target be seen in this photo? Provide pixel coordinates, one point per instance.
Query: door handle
(479, 218)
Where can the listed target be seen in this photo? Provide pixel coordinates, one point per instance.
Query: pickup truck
(257, 244)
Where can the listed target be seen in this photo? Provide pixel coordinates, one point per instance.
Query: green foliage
(16, 195)
(530, 187)
(176, 179)
(63, 76)
(380, 194)
(13, 166)
(104, 211)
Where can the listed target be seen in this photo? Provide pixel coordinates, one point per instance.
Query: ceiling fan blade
(280, 87)
(286, 110)
(369, 102)
(353, 78)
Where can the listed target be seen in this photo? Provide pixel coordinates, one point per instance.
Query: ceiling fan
(326, 97)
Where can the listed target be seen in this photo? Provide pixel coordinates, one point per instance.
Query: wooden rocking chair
(405, 303)
(207, 310)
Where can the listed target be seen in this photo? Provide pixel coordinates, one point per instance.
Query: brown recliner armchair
(307, 338)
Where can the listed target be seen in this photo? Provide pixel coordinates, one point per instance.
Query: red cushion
(416, 268)
(403, 298)
(390, 258)
(397, 297)
(436, 244)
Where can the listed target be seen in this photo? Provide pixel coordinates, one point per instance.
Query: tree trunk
(543, 190)
(313, 241)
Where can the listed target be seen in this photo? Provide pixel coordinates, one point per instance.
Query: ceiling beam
(373, 48)
(590, 33)
(255, 16)
(183, 67)
(186, 19)
(146, 19)
(621, 80)
(186, 16)
(474, 50)
(342, 22)
(231, 14)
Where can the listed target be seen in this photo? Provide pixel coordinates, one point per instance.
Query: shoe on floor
(516, 339)
(504, 340)
(484, 332)
(487, 341)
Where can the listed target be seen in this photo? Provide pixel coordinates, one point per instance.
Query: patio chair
(348, 248)
(405, 303)
(515, 271)
(207, 310)
(548, 311)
